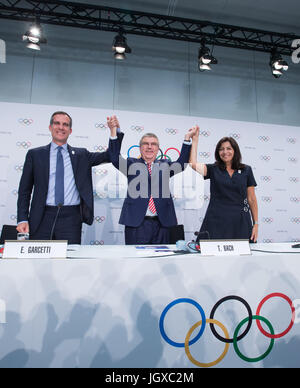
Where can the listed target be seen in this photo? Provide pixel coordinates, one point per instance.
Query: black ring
(230, 340)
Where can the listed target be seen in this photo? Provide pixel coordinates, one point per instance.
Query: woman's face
(226, 152)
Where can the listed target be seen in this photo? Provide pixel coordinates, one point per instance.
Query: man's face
(149, 149)
(60, 129)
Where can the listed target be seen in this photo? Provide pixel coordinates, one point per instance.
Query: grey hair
(148, 135)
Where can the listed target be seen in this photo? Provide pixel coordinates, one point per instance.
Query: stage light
(205, 59)
(120, 47)
(278, 65)
(34, 37)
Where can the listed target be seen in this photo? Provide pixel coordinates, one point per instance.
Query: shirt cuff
(115, 137)
(22, 222)
(188, 142)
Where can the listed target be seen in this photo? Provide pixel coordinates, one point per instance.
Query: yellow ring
(187, 340)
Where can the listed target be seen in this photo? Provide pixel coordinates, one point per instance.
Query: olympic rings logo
(293, 159)
(99, 219)
(204, 154)
(264, 138)
(137, 128)
(163, 155)
(100, 148)
(204, 133)
(267, 220)
(268, 240)
(24, 144)
(291, 140)
(266, 199)
(265, 158)
(19, 168)
(235, 136)
(236, 337)
(13, 217)
(101, 126)
(100, 171)
(172, 131)
(96, 243)
(266, 178)
(295, 199)
(25, 121)
(295, 220)
(294, 179)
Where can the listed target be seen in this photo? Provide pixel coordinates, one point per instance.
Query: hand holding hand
(113, 124)
(193, 132)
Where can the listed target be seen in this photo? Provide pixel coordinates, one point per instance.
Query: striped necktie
(152, 207)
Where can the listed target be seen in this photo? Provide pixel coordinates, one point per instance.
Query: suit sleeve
(183, 160)
(25, 189)
(96, 158)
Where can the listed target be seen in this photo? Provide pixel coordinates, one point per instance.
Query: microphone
(59, 206)
(202, 236)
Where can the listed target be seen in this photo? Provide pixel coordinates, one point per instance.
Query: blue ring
(163, 315)
(135, 146)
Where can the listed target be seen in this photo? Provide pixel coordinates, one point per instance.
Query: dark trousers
(151, 232)
(68, 226)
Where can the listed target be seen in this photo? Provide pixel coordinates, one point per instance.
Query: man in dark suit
(61, 177)
(148, 211)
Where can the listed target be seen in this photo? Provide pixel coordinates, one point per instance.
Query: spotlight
(205, 59)
(278, 65)
(120, 47)
(34, 37)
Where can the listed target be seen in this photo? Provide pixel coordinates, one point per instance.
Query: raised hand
(193, 132)
(113, 124)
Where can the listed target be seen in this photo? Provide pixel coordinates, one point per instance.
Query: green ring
(235, 342)
(165, 156)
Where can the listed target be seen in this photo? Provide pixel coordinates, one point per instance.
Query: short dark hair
(237, 158)
(61, 113)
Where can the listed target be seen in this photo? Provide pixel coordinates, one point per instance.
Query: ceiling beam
(86, 16)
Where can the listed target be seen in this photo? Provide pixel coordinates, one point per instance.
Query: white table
(102, 308)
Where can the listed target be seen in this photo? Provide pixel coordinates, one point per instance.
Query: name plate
(35, 250)
(225, 247)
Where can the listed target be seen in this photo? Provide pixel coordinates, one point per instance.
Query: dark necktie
(59, 179)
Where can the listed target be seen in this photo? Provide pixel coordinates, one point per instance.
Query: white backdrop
(271, 150)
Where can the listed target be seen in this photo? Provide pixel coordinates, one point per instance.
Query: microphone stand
(59, 206)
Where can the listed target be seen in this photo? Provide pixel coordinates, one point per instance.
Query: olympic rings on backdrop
(236, 337)
(272, 335)
(187, 350)
(160, 157)
(227, 340)
(162, 319)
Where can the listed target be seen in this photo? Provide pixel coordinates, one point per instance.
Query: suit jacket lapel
(74, 160)
(46, 161)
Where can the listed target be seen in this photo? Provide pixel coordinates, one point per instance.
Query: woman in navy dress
(232, 191)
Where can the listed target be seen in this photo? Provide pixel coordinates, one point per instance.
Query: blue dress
(228, 213)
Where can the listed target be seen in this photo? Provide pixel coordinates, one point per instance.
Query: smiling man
(148, 211)
(60, 178)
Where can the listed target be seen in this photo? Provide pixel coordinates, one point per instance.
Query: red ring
(172, 148)
(276, 294)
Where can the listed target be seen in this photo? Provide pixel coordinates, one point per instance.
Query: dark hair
(237, 158)
(61, 113)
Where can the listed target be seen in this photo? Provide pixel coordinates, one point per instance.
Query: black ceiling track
(100, 18)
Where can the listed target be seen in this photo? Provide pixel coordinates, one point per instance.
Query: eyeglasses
(146, 144)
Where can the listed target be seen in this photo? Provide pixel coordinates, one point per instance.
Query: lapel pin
(239, 171)
(73, 152)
